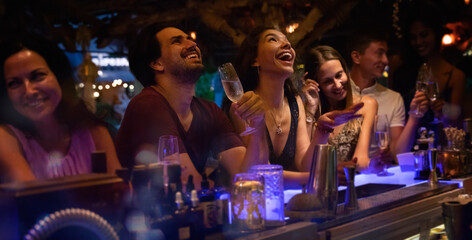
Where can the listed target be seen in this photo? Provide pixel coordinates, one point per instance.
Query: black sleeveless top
(287, 157)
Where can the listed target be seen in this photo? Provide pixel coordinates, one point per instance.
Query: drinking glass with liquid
(382, 127)
(233, 88)
(248, 202)
(274, 192)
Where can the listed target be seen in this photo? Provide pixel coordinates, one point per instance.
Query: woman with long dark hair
(46, 130)
(265, 65)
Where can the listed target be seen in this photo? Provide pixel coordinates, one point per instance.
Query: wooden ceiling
(74, 23)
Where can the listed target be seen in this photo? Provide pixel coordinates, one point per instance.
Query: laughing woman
(326, 66)
(45, 129)
(265, 65)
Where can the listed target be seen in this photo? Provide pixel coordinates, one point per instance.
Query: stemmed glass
(382, 137)
(168, 154)
(432, 93)
(424, 77)
(233, 88)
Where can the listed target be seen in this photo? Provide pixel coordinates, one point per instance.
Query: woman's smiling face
(31, 85)
(333, 80)
(422, 38)
(275, 53)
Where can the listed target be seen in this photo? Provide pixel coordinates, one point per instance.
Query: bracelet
(413, 114)
(324, 129)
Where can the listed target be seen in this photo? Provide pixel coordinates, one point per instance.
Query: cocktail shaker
(323, 180)
(350, 200)
(433, 158)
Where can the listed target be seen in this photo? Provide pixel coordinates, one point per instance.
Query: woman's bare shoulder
(458, 76)
(9, 143)
(6, 133)
(369, 102)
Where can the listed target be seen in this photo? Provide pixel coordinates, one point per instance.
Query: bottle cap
(178, 200)
(194, 198)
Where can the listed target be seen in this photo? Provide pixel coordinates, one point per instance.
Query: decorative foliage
(76, 22)
(396, 19)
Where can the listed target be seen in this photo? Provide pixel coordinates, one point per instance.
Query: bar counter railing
(412, 207)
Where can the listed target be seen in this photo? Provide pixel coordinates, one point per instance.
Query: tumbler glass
(274, 193)
(248, 202)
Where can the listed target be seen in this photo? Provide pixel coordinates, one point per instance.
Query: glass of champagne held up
(432, 92)
(422, 81)
(382, 127)
(233, 88)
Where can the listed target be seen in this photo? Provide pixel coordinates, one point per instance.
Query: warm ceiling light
(291, 28)
(467, 2)
(193, 35)
(448, 39)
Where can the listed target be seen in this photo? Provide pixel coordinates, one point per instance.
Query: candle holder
(274, 193)
(248, 203)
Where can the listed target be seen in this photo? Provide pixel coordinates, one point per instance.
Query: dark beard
(188, 75)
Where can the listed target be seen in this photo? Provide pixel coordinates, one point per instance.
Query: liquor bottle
(188, 190)
(208, 204)
(195, 217)
(222, 201)
(181, 219)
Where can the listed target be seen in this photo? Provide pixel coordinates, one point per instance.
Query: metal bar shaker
(323, 180)
(350, 200)
(433, 158)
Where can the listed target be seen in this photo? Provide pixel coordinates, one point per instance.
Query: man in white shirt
(368, 53)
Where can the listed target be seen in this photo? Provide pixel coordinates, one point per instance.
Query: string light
(396, 19)
(96, 94)
(114, 84)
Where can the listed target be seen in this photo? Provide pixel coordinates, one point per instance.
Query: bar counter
(395, 214)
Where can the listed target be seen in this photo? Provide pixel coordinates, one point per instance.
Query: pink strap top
(53, 164)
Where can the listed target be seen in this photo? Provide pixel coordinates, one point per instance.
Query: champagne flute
(424, 76)
(382, 137)
(233, 88)
(167, 155)
(432, 93)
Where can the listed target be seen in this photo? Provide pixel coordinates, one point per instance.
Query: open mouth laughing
(286, 56)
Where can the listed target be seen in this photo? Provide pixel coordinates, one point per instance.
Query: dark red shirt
(149, 116)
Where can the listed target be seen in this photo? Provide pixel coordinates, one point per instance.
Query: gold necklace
(278, 128)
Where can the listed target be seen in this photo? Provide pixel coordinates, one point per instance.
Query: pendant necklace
(278, 129)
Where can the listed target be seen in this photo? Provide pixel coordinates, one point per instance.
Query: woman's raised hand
(420, 102)
(310, 91)
(338, 117)
(250, 108)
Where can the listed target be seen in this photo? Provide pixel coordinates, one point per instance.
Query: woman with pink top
(46, 130)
